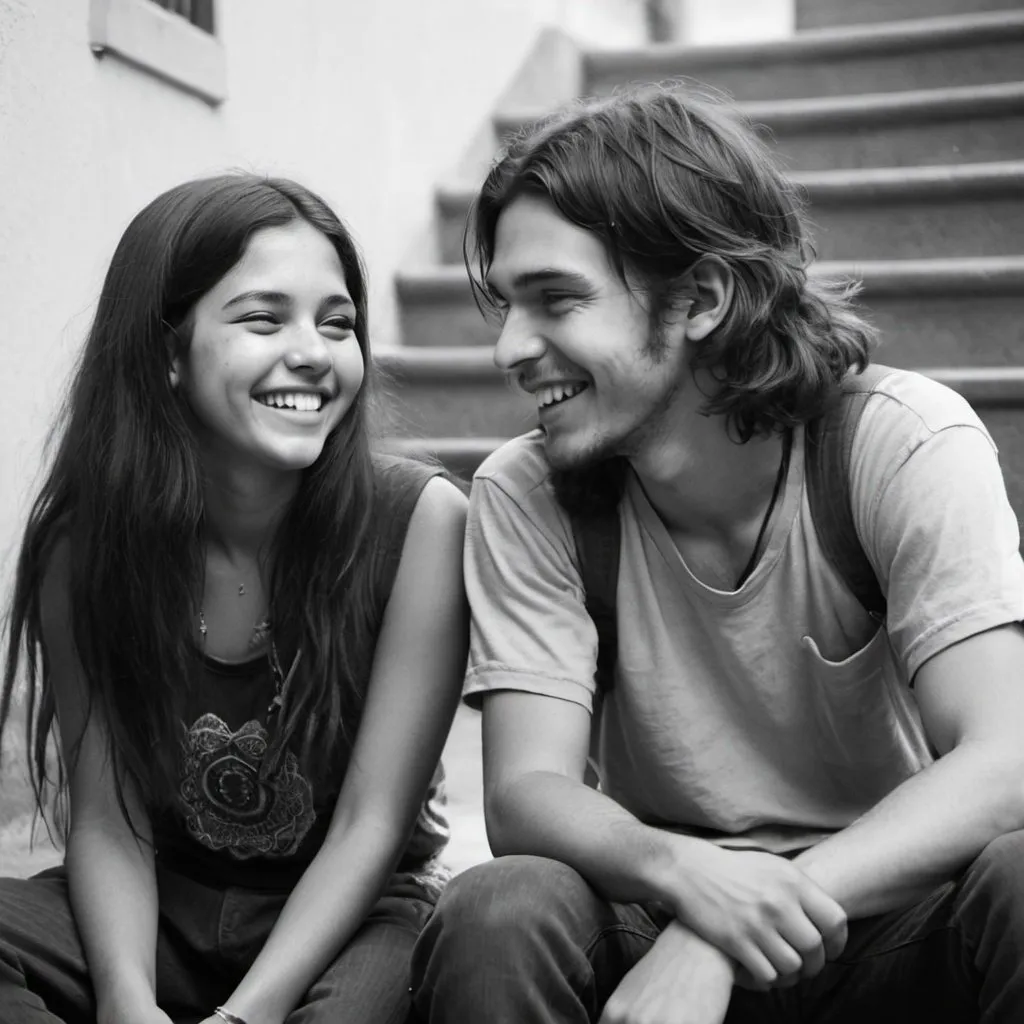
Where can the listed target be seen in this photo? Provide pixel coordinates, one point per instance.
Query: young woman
(251, 633)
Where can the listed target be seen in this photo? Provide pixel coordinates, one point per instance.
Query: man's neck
(700, 481)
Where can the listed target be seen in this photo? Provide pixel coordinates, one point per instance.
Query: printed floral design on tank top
(228, 806)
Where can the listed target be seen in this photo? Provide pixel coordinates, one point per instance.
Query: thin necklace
(780, 476)
(261, 633)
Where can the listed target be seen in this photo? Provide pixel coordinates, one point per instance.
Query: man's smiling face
(577, 338)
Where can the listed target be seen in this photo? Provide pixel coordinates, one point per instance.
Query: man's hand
(763, 912)
(681, 980)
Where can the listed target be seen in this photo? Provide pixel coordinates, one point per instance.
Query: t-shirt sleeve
(932, 511)
(530, 629)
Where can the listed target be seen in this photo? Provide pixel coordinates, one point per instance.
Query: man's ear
(709, 285)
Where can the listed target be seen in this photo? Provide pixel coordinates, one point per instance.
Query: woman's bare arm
(414, 690)
(111, 874)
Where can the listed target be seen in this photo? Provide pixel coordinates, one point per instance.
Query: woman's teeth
(300, 401)
(557, 393)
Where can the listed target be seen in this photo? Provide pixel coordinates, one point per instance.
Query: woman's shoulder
(402, 484)
(419, 513)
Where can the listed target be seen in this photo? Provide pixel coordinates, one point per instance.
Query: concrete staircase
(904, 122)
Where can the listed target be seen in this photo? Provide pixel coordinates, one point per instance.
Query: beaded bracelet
(227, 1016)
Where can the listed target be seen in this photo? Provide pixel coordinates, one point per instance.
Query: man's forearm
(550, 815)
(743, 904)
(922, 834)
(112, 885)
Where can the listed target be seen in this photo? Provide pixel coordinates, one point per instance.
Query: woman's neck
(242, 510)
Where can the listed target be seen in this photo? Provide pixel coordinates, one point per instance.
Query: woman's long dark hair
(664, 177)
(124, 498)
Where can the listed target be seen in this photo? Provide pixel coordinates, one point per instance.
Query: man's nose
(519, 342)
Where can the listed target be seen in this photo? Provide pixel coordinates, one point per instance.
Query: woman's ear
(174, 347)
(709, 285)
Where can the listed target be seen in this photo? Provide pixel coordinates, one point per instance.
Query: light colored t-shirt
(775, 714)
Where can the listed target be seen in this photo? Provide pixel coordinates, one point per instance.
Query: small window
(175, 40)
(197, 12)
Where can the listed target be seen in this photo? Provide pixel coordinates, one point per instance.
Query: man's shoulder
(514, 484)
(906, 404)
(519, 467)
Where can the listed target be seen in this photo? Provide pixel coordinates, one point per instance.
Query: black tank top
(229, 827)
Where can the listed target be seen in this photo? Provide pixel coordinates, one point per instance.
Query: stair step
(997, 394)
(436, 308)
(817, 13)
(878, 213)
(933, 311)
(945, 311)
(963, 124)
(970, 49)
(918, 213)
(454, 392)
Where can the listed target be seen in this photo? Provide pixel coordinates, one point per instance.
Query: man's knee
(506, 897)
(1000, 867)
(508, 910)
(504, 934)
(992, 892)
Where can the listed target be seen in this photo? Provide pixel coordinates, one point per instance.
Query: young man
(803, 815)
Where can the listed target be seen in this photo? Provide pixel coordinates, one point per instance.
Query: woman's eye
(259, 318)
(340, 323)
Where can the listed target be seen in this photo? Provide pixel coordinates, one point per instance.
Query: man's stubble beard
(629, 446)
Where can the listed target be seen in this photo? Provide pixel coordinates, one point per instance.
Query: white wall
(735, 21)
(370, 103)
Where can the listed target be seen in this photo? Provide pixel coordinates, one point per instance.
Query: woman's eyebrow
(271, 298)
(344, 301)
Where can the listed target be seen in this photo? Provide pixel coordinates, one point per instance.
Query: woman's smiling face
(274, 363)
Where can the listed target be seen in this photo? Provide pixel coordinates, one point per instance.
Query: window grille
(198, 12)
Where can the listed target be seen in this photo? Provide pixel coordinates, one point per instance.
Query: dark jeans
(207, 940)
(525, 940)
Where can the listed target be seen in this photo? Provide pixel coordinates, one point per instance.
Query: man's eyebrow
(529, 278)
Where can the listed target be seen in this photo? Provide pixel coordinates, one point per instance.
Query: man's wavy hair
(665, 176)
(124, 499)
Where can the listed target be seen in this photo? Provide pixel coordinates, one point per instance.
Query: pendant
(260, 634)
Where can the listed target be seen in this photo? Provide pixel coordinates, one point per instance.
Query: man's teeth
(300, 401)
(557, 393)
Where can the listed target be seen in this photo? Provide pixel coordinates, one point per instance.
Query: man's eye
(558, 302)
